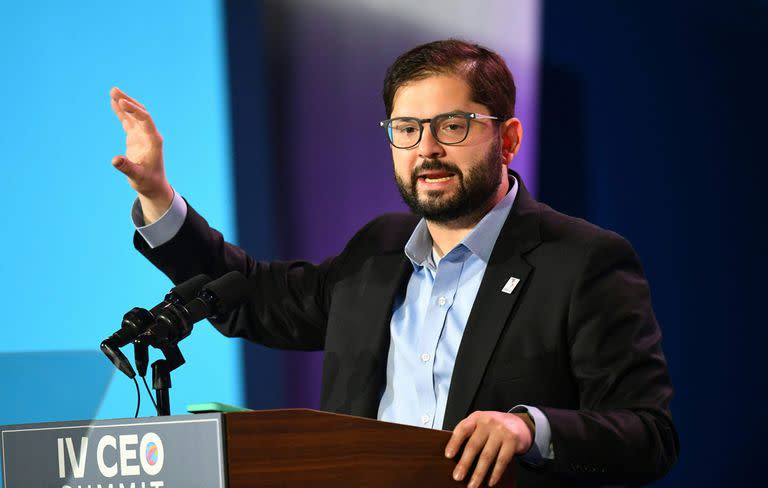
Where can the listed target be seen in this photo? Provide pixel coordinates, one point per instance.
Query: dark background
(653, 125)
(653, 122)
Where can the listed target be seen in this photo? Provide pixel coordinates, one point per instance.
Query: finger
(131, 108)
(116, 93)
(137, 113)
(463, 430)
(128, 122)
(505, 456)
(474, 445)
(485, 461)
(116, 109)
(127, 167)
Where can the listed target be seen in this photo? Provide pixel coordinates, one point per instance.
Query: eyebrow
(455, 111)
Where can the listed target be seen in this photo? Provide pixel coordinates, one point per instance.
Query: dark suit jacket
(577, 337)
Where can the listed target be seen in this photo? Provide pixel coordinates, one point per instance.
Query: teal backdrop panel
(68, 270)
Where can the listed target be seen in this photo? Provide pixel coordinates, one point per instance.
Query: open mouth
(433, 177)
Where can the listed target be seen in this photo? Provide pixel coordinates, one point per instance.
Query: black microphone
(174, 322)
(137, 320)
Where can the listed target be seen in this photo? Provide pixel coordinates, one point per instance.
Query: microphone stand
(164, 336)
(161, 377)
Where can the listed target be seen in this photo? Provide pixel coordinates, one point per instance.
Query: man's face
(442, 182)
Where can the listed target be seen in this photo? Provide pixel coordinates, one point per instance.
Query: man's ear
(511, 135)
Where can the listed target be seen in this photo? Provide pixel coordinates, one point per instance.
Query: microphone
(174, 322)
(137, 320)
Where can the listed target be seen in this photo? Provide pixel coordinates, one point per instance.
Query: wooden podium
(271, 448)
(309, 448)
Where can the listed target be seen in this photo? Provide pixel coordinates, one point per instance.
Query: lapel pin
(510, 286)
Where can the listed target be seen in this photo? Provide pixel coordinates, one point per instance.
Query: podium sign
(153, 452)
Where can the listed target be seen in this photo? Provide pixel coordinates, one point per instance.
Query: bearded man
(528, 333)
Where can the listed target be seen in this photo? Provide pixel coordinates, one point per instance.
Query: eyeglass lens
(447, 129)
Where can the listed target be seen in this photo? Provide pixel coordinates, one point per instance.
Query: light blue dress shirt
(427, 322)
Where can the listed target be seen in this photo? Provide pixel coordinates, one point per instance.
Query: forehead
(433, 95)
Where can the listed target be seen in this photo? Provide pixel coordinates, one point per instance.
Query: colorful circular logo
(154, 454)
(151, 453)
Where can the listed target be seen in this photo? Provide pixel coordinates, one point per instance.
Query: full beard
(473, 193)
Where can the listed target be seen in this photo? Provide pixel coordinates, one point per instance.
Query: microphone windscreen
(231, 290)
(189, 289)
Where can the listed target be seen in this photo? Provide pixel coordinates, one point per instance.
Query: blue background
(69, 267)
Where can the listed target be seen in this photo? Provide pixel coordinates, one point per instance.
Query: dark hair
(485, 72)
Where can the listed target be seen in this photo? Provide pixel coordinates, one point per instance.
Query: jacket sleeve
(623, 429)
(290, 300)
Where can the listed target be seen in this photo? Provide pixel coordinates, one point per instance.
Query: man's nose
(428, 147)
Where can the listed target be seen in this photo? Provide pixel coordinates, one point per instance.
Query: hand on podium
(496, 437)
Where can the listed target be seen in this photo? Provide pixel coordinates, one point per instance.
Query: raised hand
(143, 159)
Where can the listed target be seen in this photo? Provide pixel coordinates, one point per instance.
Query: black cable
(138, 398)
(144, 379)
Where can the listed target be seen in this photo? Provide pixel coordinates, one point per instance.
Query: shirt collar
(479, 241)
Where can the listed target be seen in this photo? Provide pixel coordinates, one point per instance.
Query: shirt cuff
(163, 229)
(541, 449)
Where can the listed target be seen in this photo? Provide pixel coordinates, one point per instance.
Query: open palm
(143, 159)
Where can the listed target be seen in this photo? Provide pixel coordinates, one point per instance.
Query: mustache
(435, 165)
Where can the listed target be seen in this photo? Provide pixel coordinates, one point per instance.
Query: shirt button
(425, 419)
(441, 301)
(425, 357)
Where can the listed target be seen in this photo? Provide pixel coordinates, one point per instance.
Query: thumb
(127, 167)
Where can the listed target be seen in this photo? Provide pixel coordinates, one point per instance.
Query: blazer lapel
(492, 308)
(386, 277)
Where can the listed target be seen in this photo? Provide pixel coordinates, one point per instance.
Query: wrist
(155, 204)
(529, 423)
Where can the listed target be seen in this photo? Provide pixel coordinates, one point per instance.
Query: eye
(453, 125)
(405, 128)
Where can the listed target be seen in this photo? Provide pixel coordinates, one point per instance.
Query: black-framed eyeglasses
(449, 128)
